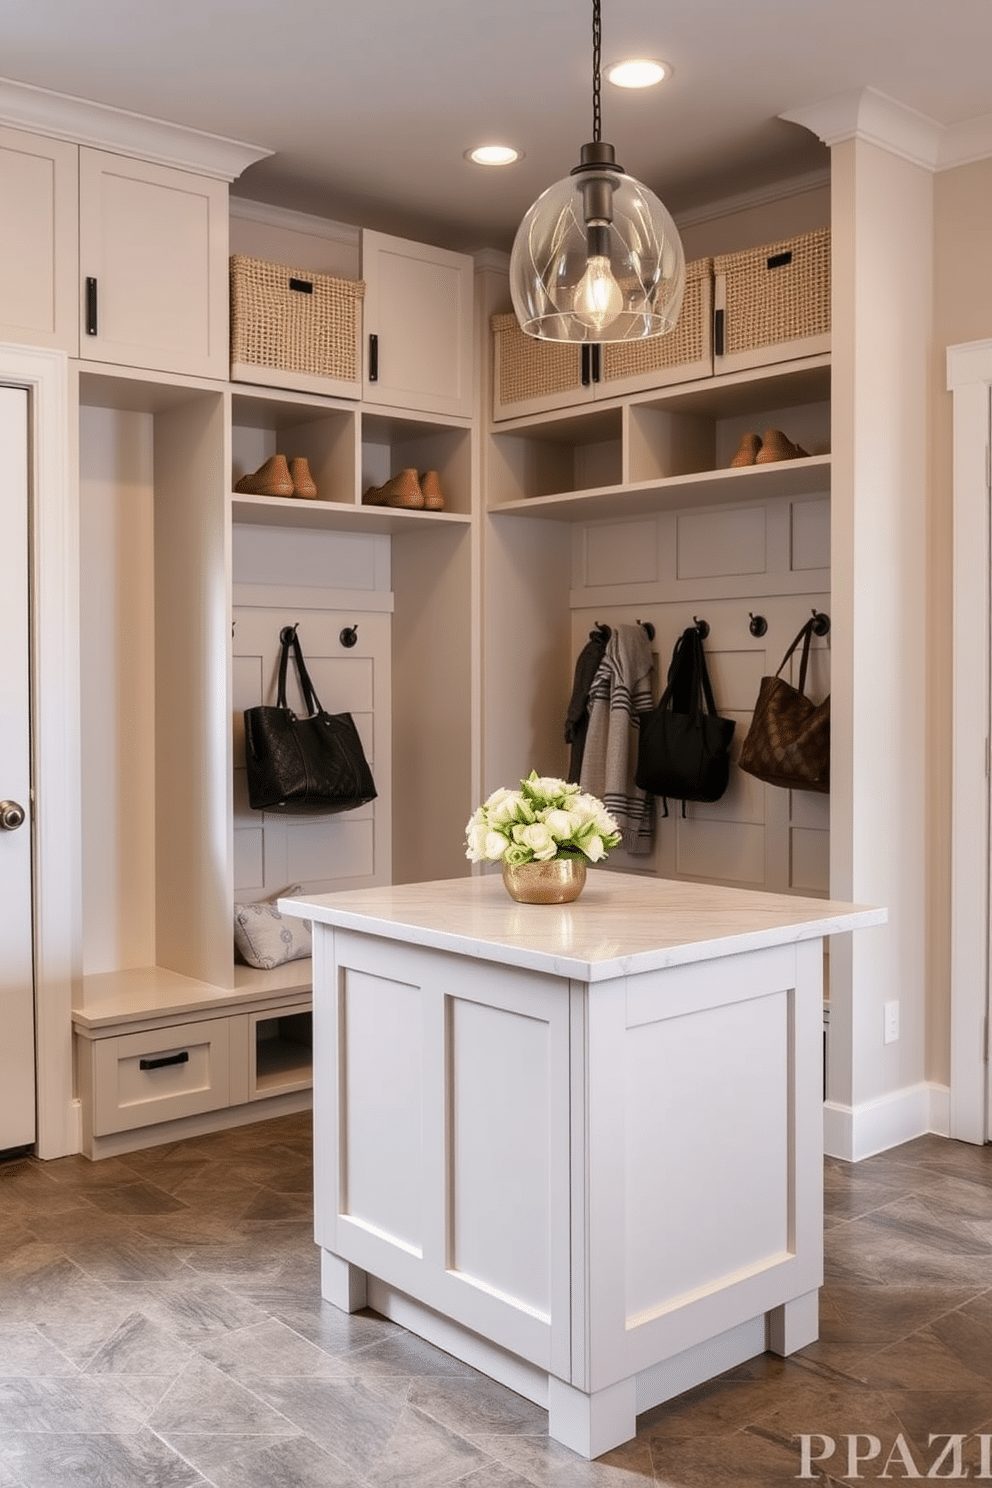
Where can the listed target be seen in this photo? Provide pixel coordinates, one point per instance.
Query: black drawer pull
(586, 365)
(373, 357)
(718, 333)
(91, 307)
(779, 260)
(302, 286)
(182, 1058)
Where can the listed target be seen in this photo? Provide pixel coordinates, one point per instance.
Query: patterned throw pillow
(265, 938)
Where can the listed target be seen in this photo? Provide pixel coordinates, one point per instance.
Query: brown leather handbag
(788, 743)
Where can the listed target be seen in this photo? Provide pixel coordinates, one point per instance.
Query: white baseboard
(117, 1143)
(854, 1132)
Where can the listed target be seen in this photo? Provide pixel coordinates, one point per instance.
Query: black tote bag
(311, 766)
(683, 751)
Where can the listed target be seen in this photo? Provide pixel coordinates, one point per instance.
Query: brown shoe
(775, 447)
(747, 451)
(402, 490)
(303, 482)
(430, 484)
(271, 479)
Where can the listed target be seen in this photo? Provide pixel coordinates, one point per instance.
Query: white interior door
(17, 1056)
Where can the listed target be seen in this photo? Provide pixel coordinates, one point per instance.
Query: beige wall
(732, 232)
(962, 312)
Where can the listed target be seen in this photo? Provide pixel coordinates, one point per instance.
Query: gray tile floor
(161, 1324)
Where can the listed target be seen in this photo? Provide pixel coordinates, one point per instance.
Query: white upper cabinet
(419, 345)
(38, 265)
(153, 266)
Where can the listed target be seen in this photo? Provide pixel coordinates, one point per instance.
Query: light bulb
(598, 300)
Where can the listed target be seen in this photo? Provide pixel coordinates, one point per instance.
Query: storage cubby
(394, 442)
(272, 423)
(155, 723)
(281, 1057)
(556, 455)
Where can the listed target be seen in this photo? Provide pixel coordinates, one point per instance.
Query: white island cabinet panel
(382, 1149)
(579, 1146)
(449, 1105)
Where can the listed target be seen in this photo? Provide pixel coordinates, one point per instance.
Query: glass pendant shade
(597, 258)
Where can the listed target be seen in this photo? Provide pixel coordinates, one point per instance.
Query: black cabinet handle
(146, 1064)
(586, 365)
(91, 307)
(373, 357)
(718, 333)
(596, 350)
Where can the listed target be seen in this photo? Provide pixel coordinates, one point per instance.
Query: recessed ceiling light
(493, 155)
(638, 72)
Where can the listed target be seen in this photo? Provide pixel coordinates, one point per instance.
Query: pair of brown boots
(279, 477)
(753, 450)
(410, 490)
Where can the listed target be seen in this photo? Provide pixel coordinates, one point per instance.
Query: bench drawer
(160, 1074)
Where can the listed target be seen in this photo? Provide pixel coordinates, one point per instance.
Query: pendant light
(597, 257)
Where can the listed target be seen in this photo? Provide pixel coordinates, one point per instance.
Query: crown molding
(292, 221)
(491, 258)
(23, 106)
(866, 114)
(761, 196)
(964, 143)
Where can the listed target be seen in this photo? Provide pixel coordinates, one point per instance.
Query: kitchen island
(577, 1146)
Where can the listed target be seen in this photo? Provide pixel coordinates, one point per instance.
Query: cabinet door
(418, 324)
(38, 264)
(153, 264)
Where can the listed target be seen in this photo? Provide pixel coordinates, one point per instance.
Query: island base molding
(589, 1424)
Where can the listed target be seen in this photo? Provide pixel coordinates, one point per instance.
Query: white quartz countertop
(622, 923)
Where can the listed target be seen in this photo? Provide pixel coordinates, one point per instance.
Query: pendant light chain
(597, 42)
(597, 257)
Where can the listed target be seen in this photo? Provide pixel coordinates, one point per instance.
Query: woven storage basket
(528, 374)
(680, 355)
(773, 302)
(293, 328)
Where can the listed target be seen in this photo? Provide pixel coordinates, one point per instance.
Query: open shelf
(340, 516)
(664, 449)
(705, 488)
(727, 395)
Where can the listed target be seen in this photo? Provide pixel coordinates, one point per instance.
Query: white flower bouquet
(545, 819)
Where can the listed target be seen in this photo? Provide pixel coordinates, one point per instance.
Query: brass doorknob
(11, 816)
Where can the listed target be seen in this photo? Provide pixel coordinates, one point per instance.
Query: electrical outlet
(891, 1033)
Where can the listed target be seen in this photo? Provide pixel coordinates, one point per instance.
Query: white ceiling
(369, 106)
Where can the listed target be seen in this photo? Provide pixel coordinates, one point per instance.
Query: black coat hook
(349, 636)
(703, 626)
(821, 623)
(758, 625)
(648, 628)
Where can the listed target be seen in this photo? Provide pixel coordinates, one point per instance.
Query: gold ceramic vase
(557, 882)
